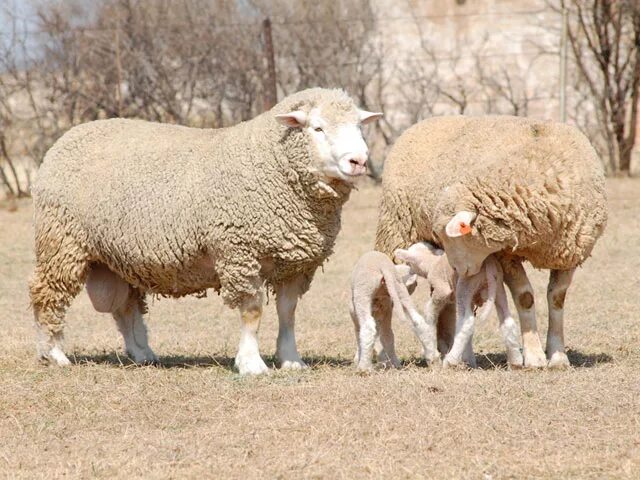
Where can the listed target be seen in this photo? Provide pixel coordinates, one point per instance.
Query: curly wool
(176, 210)
(537, 187)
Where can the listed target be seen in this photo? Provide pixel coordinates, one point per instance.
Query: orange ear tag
(464, 228)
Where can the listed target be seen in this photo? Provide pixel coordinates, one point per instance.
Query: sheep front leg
(522, 293)
(559, 281)
(248, 360)
(287, 296)
(465, 323)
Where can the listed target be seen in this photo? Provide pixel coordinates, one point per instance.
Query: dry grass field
(194, 417)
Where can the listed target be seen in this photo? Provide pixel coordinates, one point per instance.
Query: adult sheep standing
(521, 188)
(133, 207)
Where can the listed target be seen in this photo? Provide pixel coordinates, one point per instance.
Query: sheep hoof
(293, 365)
(534, 359)
(251, 365)
(451, 364)
(56, 357)
(515, 360)
(143, 357)
(559, 360)
(434, 362)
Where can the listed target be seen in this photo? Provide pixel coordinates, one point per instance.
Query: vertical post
(271, 92)
(563, 67)
(118, 69)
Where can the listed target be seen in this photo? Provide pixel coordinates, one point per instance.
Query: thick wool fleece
(176, 210)
(538, 187)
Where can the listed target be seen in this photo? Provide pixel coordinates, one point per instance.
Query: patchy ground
(195, 417)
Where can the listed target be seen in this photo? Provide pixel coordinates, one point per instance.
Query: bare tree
(604, 36)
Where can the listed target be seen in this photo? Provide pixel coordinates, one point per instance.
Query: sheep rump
(541, 184)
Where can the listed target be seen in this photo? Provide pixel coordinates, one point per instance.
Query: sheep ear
(433, 249)
(402, 255)
(368, 117)
(460, 224)
(295, 119)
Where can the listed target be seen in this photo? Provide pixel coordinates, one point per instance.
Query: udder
(107, 291)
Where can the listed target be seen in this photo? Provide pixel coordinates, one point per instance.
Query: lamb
(135, 208)
(519, 188)
(486, 289)
(375, 276)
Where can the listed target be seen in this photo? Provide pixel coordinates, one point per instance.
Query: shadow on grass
(486, 361)
(198, 361)
(578, 359)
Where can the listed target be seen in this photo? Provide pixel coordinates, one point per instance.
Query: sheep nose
(358, 160)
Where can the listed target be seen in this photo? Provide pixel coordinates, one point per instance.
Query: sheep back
(538, 187)
(176, 210)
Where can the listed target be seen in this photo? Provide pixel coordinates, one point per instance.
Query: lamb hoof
(515, 360)
(434, 362)
(251, 365)
(293, 365)
(453, 364)
(559, 360)
(534, 360)
(390, 363)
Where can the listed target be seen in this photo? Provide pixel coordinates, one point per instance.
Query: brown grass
(195, 417)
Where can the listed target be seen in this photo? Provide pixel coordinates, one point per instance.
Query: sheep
(142, 208)
(487, 289)
(373, 277)
(523, 189)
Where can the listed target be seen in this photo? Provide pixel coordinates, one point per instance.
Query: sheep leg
(432, 312)
(522, 293)
(286, 302)
(446, 328)
(468, 356)
(61, 269)
(388, 343)
(559, 281)
(382, 312)
(130, 322)
(465, 323)
(248, 360)
(366, 338)
(356, 327)
(508, 328)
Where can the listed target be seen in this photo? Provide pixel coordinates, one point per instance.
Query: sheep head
(334, 132)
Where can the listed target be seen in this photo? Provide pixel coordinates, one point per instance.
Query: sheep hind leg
(522, 292)
(57, 279)
(387, 340)
(248, 360)
(559, 281)
(130, 322)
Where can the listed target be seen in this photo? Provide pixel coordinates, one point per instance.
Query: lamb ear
(460, 224)
(402, 255)
(368, 117)
(295, 119)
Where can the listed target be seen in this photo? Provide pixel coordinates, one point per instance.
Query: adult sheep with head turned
(132, 207)
(523, 189)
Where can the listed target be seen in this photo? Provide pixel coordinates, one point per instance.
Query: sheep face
(336, 139)
(466, 249)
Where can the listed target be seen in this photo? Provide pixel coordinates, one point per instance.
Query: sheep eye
(318, 129)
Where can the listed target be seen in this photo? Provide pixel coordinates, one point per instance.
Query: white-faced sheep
(483, 290)
(138, 207)
(517, 187)
(375, 277)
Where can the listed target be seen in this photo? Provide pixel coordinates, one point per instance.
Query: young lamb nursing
(374, 277)
(482, 291)
(134, 207)
(519, 188)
